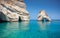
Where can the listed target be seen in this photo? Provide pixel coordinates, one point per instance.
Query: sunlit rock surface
(13, 10)
(42, 15)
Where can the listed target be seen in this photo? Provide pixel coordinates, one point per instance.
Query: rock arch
(42, 15)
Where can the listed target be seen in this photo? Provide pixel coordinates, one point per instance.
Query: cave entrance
(20, 19)
(45, 19)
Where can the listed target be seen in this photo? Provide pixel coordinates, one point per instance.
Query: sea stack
(42, 16)
(13, 10)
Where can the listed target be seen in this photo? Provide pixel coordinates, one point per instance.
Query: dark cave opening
(20, 19)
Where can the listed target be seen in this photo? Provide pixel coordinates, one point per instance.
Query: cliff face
(42, 15)
(13, 10)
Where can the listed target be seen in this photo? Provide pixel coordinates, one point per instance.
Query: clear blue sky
(52, 8)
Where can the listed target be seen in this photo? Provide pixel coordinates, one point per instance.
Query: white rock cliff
(13, 10)
(42, 15)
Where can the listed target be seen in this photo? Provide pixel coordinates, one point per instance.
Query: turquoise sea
(30, 29)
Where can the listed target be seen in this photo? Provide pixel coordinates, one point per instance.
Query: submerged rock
(13, 11)
(43, 16)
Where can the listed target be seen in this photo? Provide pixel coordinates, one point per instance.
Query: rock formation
(43, 16)
(13, 10)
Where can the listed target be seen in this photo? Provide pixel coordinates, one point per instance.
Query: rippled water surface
(30, 29)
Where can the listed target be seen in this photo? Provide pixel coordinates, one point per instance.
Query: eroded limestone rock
(42, 15)
(13, 10)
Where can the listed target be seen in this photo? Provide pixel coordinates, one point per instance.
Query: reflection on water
(12, 29)
(43, 25)
(24, 25)
(30, 29)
